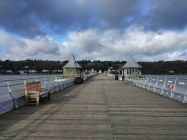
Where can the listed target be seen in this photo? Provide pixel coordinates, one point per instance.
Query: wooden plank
(101, 108)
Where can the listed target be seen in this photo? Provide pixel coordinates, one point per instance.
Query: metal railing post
(185, 99)
(172, 94)
(45, 81)
(163, 86)
(8, 85)
(154, 89)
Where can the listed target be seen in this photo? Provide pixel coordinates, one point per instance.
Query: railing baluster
(45, 81)
(8, 85)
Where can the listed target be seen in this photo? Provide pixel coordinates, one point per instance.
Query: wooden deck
(100, 108)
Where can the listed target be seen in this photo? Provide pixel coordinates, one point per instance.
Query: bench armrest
(31, 92)
(46, 89)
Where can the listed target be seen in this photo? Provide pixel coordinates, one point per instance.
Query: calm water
(17, 82)
(3, 77)
(175, 76)
(20, 82)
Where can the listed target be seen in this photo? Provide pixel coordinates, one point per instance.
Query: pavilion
(109, 71)
(92, 72)
(100, 72)
(131, 68)
(72, 67)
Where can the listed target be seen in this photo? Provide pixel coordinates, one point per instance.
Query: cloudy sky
(150, 30)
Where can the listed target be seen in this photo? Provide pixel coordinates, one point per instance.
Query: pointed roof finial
(72, 63)
(131, 63)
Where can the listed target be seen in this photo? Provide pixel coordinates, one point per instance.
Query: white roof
(109, 70)
(131, 63)
(92, 70)
(72, 63)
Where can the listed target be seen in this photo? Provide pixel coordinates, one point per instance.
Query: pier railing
(12, 93)
(171, 87)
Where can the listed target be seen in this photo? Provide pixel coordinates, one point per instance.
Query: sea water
(18, 79)
(174, 76)
(16, 82)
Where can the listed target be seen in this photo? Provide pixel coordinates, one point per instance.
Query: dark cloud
(17, 18)
(167, 14)
(30, 18)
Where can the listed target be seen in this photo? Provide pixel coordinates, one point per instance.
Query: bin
(116, 77)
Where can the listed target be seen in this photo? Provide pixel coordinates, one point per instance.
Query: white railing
(172, 87)
(12, 93)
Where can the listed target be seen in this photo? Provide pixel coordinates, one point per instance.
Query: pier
(98, 109)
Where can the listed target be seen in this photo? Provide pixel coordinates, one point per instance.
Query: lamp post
(75, 68)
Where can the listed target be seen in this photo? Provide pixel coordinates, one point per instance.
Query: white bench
(126, 79)
(165, 91)
(6, 102)
(57, 86)
(180, 90)
(131, 80)
(135, 81)
(61, 85)
(147, 83)
(143, 80)
(67, 83)
(160, 85)
(138, 83)
(51, 87)
(153, 84)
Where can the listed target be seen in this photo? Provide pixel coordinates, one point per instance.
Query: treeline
(157, 67)
(164, 67)
(37, 65)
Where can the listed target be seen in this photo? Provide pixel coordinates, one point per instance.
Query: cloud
(147, 45)
(33, 18)
(28, 46)
(86, 40)
(93, 45)
(40, 48)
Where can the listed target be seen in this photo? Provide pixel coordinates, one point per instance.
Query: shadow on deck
(100, 108)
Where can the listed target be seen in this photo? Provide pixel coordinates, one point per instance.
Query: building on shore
(33, 71)
(131, 68)
(21, 72)
(9, 71)
(72, 68)
(46, 71)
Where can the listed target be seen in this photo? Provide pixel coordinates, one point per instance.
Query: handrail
(8, 82)
(12, 92)
(178, 92)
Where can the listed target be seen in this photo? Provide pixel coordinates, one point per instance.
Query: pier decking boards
(101, 108)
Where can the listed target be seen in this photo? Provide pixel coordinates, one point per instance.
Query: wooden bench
(34, 90)
(78, 80)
